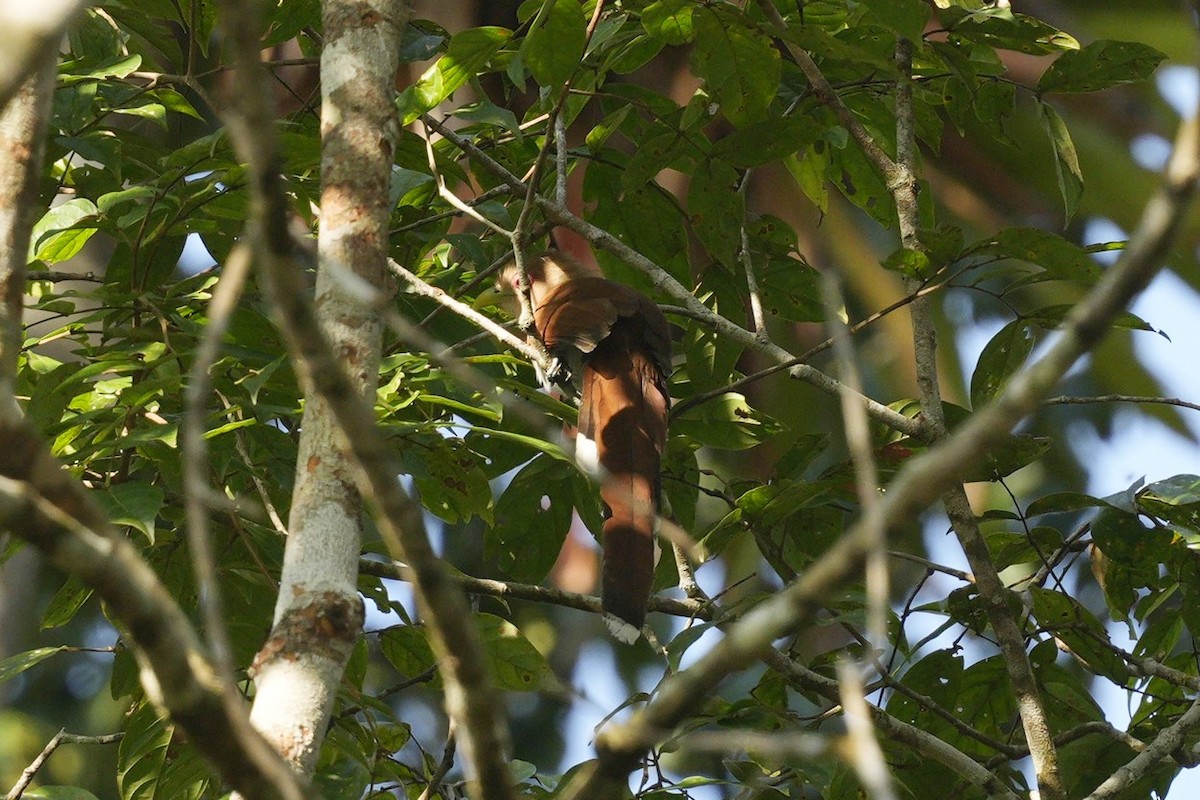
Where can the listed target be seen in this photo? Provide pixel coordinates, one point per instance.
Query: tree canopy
(252, 378)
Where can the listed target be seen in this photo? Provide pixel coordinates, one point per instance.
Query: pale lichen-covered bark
(318, 615)
(21, 147)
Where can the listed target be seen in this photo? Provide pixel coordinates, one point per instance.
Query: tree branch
(919, 482)
(22, 141)
(663, 281)
(470, 700)
(43, 504)
(29, 37)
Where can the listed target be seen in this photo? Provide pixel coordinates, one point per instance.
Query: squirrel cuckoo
(618, 346)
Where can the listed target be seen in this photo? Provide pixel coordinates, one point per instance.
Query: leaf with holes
(516, 665)
(532, 519)
(1001, 357)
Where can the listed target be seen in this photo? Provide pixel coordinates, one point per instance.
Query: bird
(616, 344)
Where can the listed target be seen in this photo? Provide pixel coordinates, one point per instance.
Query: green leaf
(62, 231)
(154, 764)
(717, 209)
(516, 665)
(681, 481)
(554, 47)
(532, 519)
(808, 171)
(1016, 452)
(1060, 258)
(59, 793)
(727, 423)
(452, 485)
(1066, 161)
(1123, 538)
(1099, 65)
(791, 289)
(670, 21)
(1062, 502)
(1079, 630)
(468, 52)
(1034, 547)
(1002, 356)
(740, 66)
(1000, 27)
(65, 604)
(760, 143)
(407, 649)
(13, 666)
(906, 17)
(135, 504)
(1175, 500)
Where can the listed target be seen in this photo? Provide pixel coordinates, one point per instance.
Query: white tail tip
(621, 630)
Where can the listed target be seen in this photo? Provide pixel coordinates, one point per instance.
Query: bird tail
(627, 577)
(623, 422)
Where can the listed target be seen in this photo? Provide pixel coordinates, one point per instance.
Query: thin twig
(1062, 400)
(862, 455)
(865, 754)
(443, 768)
(666, 283)
(195, 397)
(537, 356)
(510, 590)
(60, 738)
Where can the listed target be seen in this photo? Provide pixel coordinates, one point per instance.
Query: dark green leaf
(760, 143)
(717, 209)
(453, 486)
(407, 649)
(727, 423)
(135, 504)
(515, 664)
(65, 604)
(469, 50)
(154, 764)
(1123, 538)
(1066, 161)
(13, 666)
(906, 17)
(1079, 630)
(1061, 259)
(1059, 502)
(1002, 356)
(554, 46)
(739, 65)
(1175, 500)
(1099, 65)
(532, 519)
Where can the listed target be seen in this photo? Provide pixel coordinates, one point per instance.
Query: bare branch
(511, 590)
(60, 738)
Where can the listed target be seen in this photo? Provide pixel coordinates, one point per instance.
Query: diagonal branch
(919, 483)
(664, 282)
